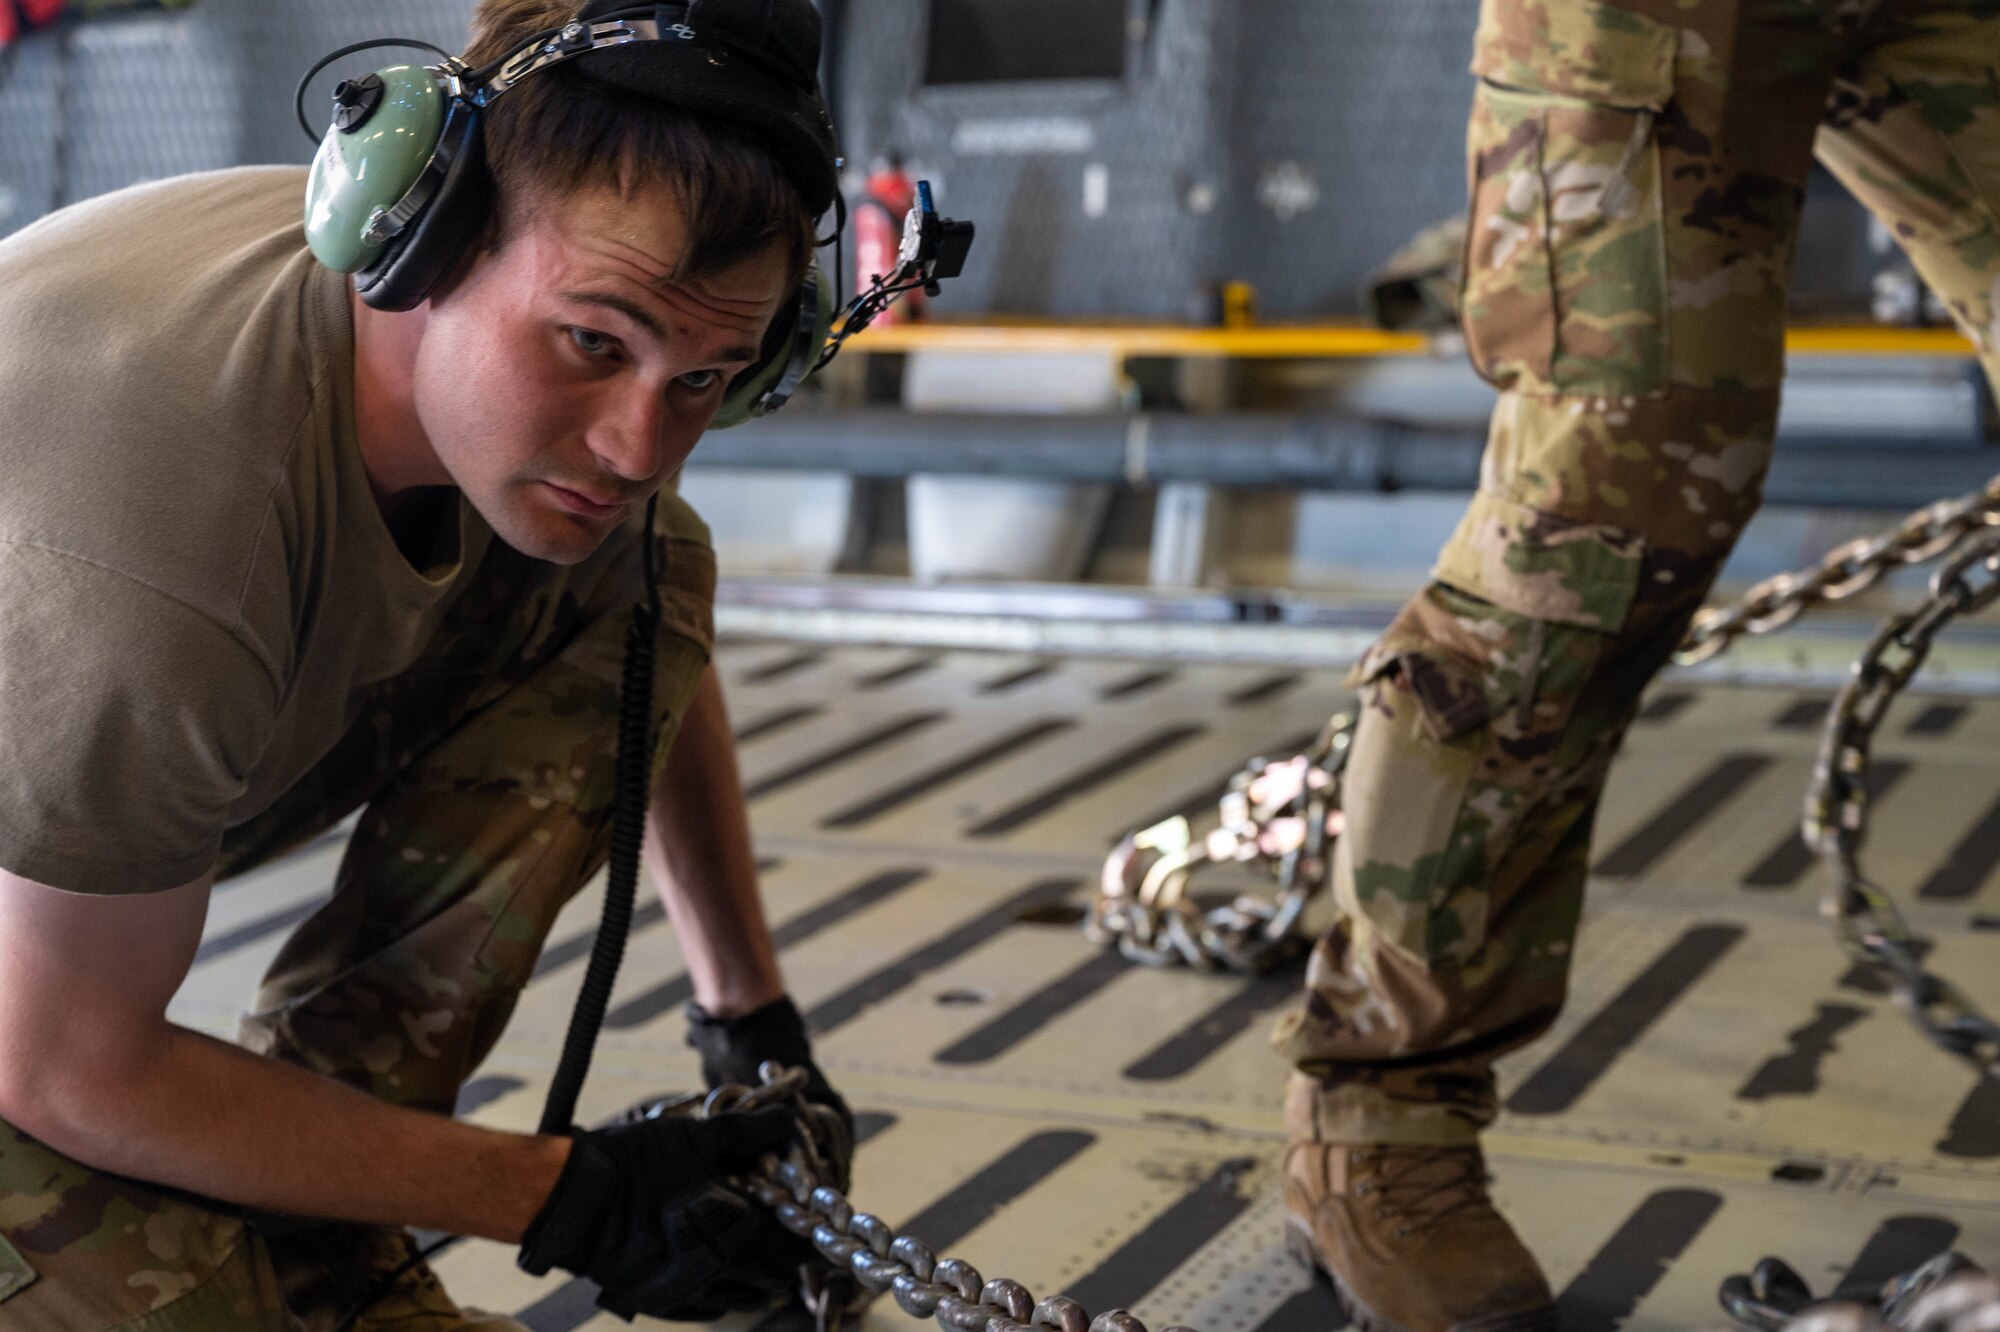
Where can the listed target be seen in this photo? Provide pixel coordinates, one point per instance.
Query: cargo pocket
(1564, 288)
(1414, 851)
(15, 1274)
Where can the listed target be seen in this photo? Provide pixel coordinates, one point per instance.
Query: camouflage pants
(484, 776)
(1636, 170)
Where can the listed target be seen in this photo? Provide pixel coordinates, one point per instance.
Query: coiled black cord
(631, 779)
(631, 783)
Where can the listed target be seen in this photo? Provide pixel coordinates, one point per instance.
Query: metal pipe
(1300, 451)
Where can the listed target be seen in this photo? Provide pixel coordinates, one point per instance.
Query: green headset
(399, 185)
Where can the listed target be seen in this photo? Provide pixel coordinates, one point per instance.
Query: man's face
(565, 377)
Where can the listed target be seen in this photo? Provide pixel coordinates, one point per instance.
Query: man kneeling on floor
(269, 555)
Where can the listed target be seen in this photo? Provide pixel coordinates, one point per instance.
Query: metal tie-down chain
(1284, 816)
(864, 1246)
(1836, 812)
(1846, 570)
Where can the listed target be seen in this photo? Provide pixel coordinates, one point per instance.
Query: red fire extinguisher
(17, 16)
(886, 199)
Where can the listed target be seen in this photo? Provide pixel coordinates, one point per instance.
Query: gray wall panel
(1361, 102)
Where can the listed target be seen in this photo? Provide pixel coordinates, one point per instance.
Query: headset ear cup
(412, 264)
(792, 348)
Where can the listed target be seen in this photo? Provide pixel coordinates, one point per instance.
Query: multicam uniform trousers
(1636, 171)
(484, 779)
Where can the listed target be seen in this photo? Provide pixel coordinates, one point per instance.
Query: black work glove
(732, 1048)
(640, 1210)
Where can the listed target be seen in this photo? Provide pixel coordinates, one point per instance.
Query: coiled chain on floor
(1283, 816)
(1847, 570)
(1836, 813)
(950, 1290)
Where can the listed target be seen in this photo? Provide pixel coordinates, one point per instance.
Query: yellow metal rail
(1316, 341)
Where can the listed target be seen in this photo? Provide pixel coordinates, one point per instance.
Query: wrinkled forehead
(641, 236)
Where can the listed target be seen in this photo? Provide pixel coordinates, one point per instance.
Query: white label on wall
(1017, 135)
(1096, 189)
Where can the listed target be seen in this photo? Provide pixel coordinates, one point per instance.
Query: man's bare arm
(90, 1065)
(698, 852)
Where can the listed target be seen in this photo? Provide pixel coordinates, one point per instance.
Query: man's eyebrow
(631, 309)
(643, 317)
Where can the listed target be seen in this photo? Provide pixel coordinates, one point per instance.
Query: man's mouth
(584, 502)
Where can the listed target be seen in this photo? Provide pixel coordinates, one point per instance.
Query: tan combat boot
(1411, 1239)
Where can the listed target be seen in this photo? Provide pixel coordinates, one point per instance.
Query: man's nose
(629, 437)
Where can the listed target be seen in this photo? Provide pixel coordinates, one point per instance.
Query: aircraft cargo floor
(1721, 1086)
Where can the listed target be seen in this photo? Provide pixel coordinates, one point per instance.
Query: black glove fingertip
(749, 1135)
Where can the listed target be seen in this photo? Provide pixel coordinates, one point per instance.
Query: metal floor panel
(1719, 1087)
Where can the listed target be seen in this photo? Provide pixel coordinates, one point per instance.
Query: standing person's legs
(1636, 172)
(485, 769)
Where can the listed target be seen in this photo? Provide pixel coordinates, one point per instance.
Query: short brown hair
(557, 132)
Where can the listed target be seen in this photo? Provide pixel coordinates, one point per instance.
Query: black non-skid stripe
(883, 802)
(1696, 802)
(839, 1009)
(1665, 704)
(1614, 1029)
(782, 719)
(1054, 797)
(1802, 714)
(1036, 1011)
(847, 750)
(1971, 860)
(1787, 862)
(982, 1195)
(1014, 679)
(1975, 1129)
(645, 916)
(1898, 1244)
(900, 672)
(1134, 685)
(1937, 719)
(484, 1091)
(1142, 1262)
(1191, 1046)
(574, 1302)
(1314, 1309)
(1259, 691)
(1630, 1264)
(669, 994)
(250, 932)
(1796, 1071)
(784, 666)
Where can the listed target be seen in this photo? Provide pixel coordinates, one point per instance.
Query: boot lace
(1423, 1187)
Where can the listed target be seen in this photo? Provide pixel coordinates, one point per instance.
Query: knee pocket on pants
(1565, 275)
(1455, 749)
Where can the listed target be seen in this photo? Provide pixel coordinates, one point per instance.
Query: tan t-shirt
(195, 578)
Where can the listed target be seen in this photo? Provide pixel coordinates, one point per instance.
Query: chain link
(1281, 816)
(1836, 813)
(950, 1290)
(1845, 571)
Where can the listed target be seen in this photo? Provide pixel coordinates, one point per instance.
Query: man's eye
(590, 342)
(700, 381)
